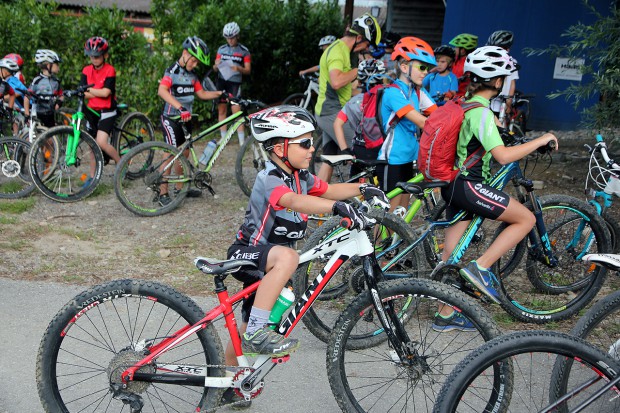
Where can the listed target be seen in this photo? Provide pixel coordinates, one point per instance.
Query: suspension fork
(390, 321)
(547, 255)
(74, 139)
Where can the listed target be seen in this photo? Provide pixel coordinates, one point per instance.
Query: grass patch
(17, 206)
(15, 244)
(504, 319)
(6, 220)
(103, 188)
(77, 234)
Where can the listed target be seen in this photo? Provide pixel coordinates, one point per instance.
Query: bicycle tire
(15, 180)
(95, 335)
(38, 131)
(320, 317)
(540, 294)
(250, 161)
(134, 128)
(62, 182)
(297, 99)
(614, 232)
(600, 326)
(533, 355)
(367, 376)
(141, 195)
(64, 116)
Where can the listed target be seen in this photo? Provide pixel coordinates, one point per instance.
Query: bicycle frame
(346, 245)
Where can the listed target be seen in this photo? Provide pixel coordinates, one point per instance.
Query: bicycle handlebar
(602, 147)
(79, 91)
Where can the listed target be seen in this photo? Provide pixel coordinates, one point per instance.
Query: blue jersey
(437, 84)
(19, 89)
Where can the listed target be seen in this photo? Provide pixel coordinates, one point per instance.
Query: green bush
(598, 45)
(281, 36)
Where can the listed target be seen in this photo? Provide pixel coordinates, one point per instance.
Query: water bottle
(208, 152)
(284, 301)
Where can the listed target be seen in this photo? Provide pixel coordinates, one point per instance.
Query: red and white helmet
(16, 58)
(96, 46)
(284, 121)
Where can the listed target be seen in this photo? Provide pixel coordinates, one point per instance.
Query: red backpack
(437, 153)
(370, 127)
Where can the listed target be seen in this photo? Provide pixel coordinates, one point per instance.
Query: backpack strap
(477, 155)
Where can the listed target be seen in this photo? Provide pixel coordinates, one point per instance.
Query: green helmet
(197, 48)
(465, 41)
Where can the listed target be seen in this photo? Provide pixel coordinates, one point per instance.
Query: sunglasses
(305, 143)
(422, 68)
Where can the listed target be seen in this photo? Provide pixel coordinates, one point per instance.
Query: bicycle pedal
(280, 360)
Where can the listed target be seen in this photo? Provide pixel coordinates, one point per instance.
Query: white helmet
(488, 62)
(327, 40)
(9, 65)
(46, 56)
(231, 30)
(368, 71)
(285, 121)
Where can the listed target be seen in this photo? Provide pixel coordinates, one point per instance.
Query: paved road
(27, 307)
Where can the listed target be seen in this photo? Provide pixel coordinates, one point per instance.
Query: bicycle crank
(203, 180)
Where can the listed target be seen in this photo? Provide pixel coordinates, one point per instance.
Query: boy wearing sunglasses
(403, 112)
(276, 217)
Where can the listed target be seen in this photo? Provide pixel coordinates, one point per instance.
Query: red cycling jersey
(102, 78)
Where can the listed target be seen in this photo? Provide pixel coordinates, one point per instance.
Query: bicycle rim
(15, 180)
(107, 329)
(370, 377)
(533, 355)
(160, 172)
(251, 159)
(58, 176)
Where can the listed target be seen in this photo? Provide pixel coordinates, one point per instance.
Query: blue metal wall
(536, 24)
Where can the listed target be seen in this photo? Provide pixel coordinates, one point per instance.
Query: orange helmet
(412, 48)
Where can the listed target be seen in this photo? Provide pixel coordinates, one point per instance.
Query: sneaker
(267, 342)
(164, 199)
(456, 321)
(194, 193)
(484, 280)
(230, 397)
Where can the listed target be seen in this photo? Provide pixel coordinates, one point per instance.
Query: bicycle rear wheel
(135, 128)
(162, 170)
(299, 99)
(251, 160)
(56, 173)
(63, 116)
(108, 328)
(365, 373)
(15, 180)
(533, 354)
(349, 280)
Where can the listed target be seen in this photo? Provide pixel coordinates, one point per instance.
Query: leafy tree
(598, 44)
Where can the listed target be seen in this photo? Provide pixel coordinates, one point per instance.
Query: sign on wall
(568, 69)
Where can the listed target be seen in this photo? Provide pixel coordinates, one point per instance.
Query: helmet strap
(284, 157)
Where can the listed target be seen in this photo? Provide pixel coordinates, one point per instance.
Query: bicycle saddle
(417, 188)
(611, 261)
(336, 159)
(216, 267)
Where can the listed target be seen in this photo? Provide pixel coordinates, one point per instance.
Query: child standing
(464, 44)
(276, 217)
(403, 110)
(442, 84)
(488, 67)
(100, 110)
(177, 89)
(46, 86)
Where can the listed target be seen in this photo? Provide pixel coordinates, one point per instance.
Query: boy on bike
(100, 110)
(9, 75)
(276, 217)
(442, 84)
(488, 68)
(46, 86)
(236, 58)
(177, 89)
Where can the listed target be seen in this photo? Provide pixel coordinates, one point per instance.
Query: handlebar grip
(346, 222)
(549, 147)
(599, 138)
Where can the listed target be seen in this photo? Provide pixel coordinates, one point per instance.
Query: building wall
(536, 24)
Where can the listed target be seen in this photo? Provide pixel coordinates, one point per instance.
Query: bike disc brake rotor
(11, 168)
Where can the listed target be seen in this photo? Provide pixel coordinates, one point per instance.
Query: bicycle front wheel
(469, 388)
(373, 378)
(110, 327)
(15, 180)
(63, 170)
(251, 160)
(601, 325)
(135, 128)
(161, 169)
(349, 280)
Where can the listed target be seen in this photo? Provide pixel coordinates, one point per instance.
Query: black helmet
(501, 38)
(197, 48)
(445, 50)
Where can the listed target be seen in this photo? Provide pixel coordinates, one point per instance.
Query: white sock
(222, 133)
(241, 137)
(259, 318)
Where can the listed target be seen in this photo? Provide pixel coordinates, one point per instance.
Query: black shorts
(233, 88)
(390, 175)
(475, 197)
(100, 120)
(173, 131)
(361, 152)
(257, 254)
(47, 119)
